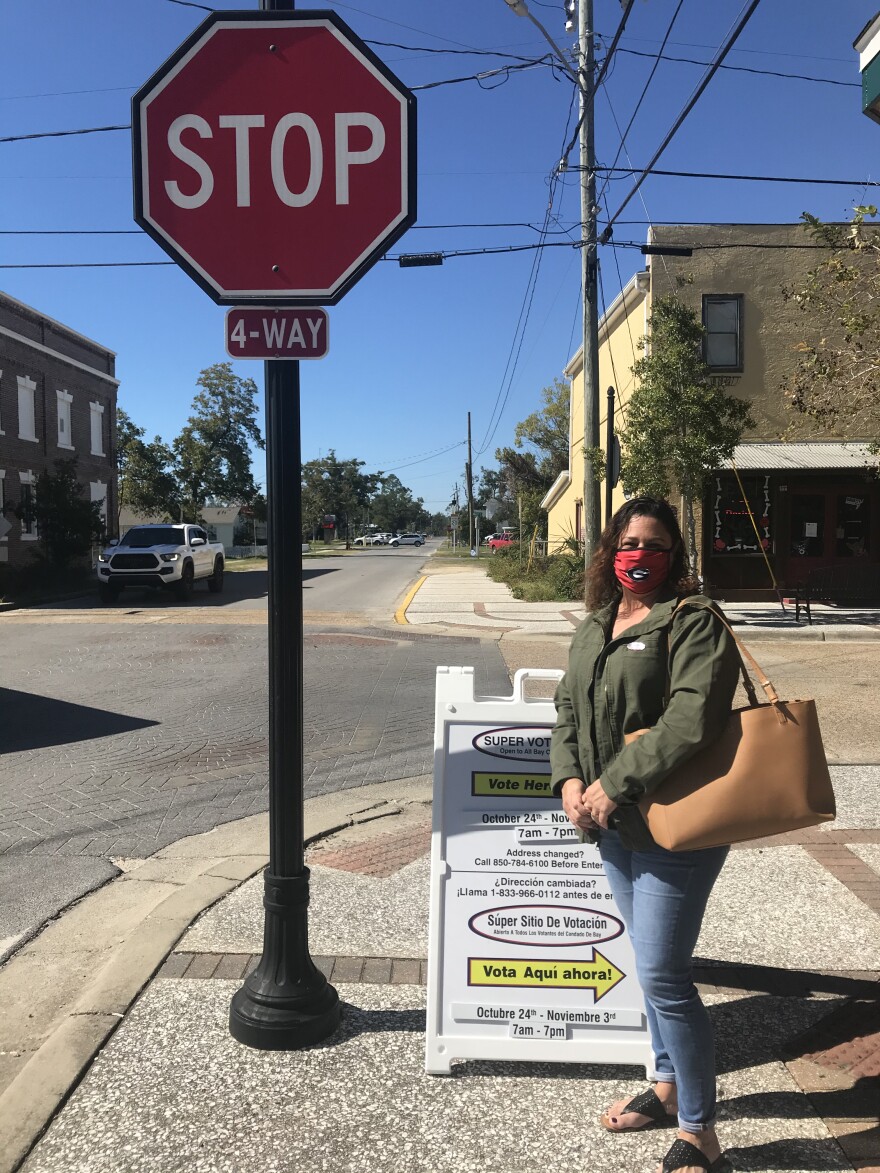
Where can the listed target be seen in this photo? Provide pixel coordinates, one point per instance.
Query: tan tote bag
(765, 774)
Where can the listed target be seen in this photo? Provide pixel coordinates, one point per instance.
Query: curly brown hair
(601, 581)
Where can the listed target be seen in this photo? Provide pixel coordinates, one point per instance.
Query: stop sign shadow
(274, 157)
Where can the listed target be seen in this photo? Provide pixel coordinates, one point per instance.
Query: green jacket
(616, 686)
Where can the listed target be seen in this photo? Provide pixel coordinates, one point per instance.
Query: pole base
(286, 1003)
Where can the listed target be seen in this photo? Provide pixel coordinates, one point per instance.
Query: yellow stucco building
(813, 499)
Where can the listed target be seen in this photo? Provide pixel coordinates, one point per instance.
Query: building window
(722, 319)
(27, 421)
(96, 419)
(853, 526)
(65, 437)
(26, 506)
(737, 517)
(2, 433)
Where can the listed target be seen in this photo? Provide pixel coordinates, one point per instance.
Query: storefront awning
(800, 455)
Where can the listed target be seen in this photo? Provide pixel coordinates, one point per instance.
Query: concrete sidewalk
(789, 964)
(115, 1052)
(466, 597)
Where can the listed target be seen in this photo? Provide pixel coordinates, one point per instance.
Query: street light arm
(521, 9)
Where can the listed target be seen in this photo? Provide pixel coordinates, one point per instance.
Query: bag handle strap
(744, 654)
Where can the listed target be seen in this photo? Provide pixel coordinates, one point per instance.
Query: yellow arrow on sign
(599, 975)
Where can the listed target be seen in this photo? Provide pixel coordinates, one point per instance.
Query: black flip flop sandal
(683, 1153)
(647, 1103)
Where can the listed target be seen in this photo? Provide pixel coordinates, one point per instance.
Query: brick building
(57, 399)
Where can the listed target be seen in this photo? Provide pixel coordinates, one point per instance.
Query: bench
(850, 583)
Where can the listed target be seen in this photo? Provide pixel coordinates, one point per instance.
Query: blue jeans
(662, 896)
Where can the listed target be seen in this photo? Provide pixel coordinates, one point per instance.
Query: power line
(139, 232)
(750, 52)
(16, 138)
(644, 91)
(421, 460)
(505, 70)
(749, 178)
(525, 310)
(475, 252)
(692, 101)
(603, 68)
(65, 93)
(829, 81)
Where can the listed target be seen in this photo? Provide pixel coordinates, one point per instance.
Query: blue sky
(413, 350)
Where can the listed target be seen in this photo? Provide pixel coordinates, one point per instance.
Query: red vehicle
(500, 541)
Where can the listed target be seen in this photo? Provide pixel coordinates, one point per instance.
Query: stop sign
(274, 157)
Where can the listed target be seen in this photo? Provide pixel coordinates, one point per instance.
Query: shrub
(557, 578)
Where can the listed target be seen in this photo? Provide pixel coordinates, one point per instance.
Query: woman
(636, 663)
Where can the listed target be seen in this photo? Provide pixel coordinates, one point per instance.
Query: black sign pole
(286, 1002)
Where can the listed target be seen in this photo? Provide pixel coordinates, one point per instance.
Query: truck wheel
(109, 595)
(184, 588)
(215, 582)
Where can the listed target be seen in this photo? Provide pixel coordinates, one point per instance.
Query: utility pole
(585, 79)
(589, 261)
(470, 489)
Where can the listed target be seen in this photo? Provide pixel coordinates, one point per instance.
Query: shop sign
(528, 955)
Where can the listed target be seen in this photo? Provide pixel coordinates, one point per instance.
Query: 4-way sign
(274, 157)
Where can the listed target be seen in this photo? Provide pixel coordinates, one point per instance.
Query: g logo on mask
(639, 573)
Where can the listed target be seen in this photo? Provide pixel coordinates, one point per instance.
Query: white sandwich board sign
(528, 956)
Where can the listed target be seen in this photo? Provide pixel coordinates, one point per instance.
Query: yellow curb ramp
(400, 613)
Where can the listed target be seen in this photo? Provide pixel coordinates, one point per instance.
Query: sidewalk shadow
(34, 722)
(800, 1154)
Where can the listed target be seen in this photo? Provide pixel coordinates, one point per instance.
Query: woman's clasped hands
(587, 806)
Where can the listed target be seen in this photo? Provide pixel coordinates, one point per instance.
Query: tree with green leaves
(836, 382)
(146, 483)
(337, 487)
(680, 426)
(212, 454)
(393, 506)
(540, 453)
(67, 522)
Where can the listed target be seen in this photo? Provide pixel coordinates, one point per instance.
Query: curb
(40, 1089)
(400, 613)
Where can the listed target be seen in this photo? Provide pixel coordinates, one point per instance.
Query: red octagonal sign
(274, 157)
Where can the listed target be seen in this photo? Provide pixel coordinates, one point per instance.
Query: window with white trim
(27, 420)
(26, 505)
(65, 437)
(96, 421)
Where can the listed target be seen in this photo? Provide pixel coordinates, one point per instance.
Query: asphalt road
(368, 582)
(124, 729)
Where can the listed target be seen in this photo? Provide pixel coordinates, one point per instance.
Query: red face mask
(642, 571)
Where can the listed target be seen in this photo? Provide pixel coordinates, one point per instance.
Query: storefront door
(828, 525)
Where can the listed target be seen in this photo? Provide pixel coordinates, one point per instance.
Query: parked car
(170, 557)
(368, 540)
(408, 540)
(500, 541)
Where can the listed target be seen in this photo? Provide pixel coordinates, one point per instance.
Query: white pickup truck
(165, 556)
